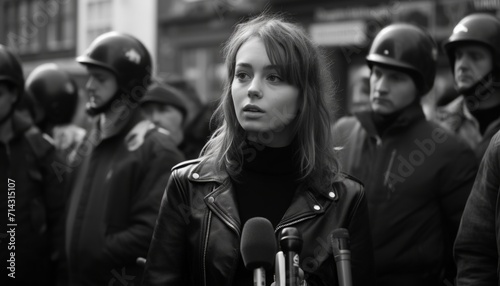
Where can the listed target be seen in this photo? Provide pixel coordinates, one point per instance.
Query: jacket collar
(307, 203)
(411, 115)
(15, 126)
(20, 123)
(120, 128)
(206, 171)
(458, 107)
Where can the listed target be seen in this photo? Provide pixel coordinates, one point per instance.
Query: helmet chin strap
(93, 111)
(487, 84)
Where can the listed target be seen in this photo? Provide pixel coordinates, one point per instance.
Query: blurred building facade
(40, 31)
(185, 36)
(191, 32)
(58, 31)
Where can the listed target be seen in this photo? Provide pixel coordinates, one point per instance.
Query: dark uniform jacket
(456, 117)
(197, 236)
(417, 179)
(477, 247)
(116, 194)
(35, 200)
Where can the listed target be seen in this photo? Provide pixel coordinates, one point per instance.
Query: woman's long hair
(303, 66)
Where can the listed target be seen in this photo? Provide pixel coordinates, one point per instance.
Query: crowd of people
(147, 193)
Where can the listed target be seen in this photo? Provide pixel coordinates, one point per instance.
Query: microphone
(291, 245)
(279, 269)
(258, 248)
(340, 244)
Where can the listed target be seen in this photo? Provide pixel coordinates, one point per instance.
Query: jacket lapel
(305, 205)
(222, 202)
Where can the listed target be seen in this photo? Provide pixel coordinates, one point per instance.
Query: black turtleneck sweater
(264, 188)
(486, 116)
(383, 122)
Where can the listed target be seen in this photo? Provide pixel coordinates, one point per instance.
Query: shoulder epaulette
(135, 137)
(186, 163)
(352, 178)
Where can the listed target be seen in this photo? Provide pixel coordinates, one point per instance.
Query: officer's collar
(411, 114)
(19, 123)
(120, 122)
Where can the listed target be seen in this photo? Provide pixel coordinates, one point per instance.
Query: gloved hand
(67, 136)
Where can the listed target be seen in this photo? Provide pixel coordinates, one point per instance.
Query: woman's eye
(274, 78)
(241, 76)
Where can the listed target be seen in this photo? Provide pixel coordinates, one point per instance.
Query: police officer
(120, 170)
(473, 51)
(55, 92)
(31, 200)
(417, 176)
(54, 96)
(165, 106)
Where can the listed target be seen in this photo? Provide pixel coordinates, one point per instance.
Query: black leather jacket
(197, 235)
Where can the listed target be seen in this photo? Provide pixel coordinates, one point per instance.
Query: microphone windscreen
(258, 243)
(291, 240)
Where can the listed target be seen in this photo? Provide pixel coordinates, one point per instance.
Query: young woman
(270, 157)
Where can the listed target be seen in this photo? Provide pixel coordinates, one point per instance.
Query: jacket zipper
(386, 175)
(205, 246)
(387, 182)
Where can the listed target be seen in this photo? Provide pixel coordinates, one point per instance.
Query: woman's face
(265, 104)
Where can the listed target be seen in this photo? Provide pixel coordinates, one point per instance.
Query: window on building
(99, 18)
(39, 27)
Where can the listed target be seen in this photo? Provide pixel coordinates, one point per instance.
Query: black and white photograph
(250, 142)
